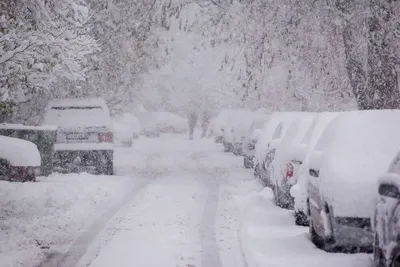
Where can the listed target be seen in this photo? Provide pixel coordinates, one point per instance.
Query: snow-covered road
(173, 203)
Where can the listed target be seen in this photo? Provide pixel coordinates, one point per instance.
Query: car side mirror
(389, 190)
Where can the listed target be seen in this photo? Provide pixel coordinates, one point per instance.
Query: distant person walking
(204, 124)
(192, 123)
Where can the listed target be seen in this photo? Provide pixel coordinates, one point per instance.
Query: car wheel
(379, 260)
(318, 241)
(257, 171)
(276, 196)
(106, 164)
(300, 218)
(246, 163)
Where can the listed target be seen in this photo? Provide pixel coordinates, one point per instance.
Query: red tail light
(106, 137)
(289, 170)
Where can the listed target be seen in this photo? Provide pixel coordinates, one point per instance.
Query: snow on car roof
(19, 152)
(357, 147)
(78, 102)
(28, 127)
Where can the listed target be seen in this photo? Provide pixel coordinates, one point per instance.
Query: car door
(315, 200)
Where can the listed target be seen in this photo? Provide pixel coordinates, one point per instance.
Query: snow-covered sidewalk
(48, 215)
(270, 238)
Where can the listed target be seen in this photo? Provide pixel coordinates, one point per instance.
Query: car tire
(318, 241)
(106, 163)
(378, 258)
(246, 164)
(300, 218)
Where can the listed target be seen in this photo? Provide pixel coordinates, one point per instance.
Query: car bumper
(219, 139)
(249, 160)
(83, 146)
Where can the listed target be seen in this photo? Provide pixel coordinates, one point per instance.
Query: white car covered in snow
(250, 140)
(302, 151)
(286, 162)
(154, 123)
(85, 136)
(126, 129)
(237, 125)
(354, 150)
(273, 131)
(19, 160)
(219, 124)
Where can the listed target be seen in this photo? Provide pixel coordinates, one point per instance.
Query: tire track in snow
(81, 244)
(210, 252)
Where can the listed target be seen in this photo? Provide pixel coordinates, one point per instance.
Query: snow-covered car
(269, 141)
(250, 140)
(85, 135)
(126, 129)
(218, 125)
(19, 160)
(386, 218)
(303, 150)
(237, 126)
(286, 162)
(353, 151)
(154, 123)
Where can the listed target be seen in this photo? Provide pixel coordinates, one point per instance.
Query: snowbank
(19, 152)
(270, 238)
(50, 214)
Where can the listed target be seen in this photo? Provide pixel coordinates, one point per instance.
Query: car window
(278, 131)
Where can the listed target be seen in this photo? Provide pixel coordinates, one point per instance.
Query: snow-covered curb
(269, 237)
(50, 214)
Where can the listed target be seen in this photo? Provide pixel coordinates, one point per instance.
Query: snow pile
(270, 238)
(357, 147)
(19, 152)
(50, 214)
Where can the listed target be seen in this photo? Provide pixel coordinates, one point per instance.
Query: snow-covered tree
(41, 43)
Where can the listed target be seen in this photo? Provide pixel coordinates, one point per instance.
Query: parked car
(155, 123)
(286, 163)
(236, 121)
(44, 137)
(126, 129)
(386, 218)
(303, 150)
(85, 135)
(352, 152)
(219, 125)
(251, 138)
(281, 124)
(19, 160)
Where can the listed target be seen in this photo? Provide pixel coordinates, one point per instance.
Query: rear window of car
(278, 131)
(71, 116)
